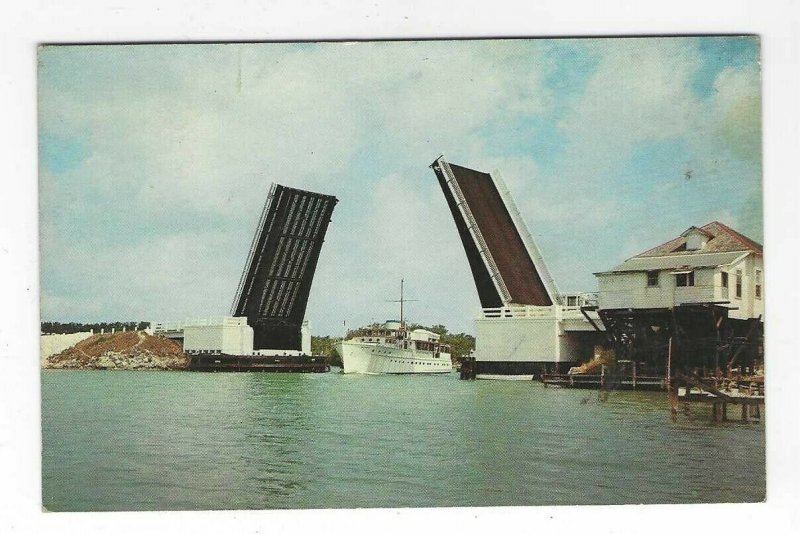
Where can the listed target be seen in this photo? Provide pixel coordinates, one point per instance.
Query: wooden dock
(603, 381)
(625, 375)
(720, 393)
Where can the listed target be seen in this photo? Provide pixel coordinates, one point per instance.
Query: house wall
(748, 305)
(630, 290)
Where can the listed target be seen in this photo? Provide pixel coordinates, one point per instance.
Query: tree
(325, 345)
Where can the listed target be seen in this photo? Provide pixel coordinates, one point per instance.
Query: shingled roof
(724, 246)
(722, 238)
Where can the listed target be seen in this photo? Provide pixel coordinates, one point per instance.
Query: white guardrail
(573, 302)
(177, 326)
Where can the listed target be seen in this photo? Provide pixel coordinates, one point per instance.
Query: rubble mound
(121, 350)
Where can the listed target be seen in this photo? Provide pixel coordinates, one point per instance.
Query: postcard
(394, 274)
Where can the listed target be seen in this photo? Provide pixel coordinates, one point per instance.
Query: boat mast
(402, 325)
(402, 301)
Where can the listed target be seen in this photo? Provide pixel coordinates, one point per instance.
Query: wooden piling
(669, 365)
(468, 370)
(721, 410)
(673, 401)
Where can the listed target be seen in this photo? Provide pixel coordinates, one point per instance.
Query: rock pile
(121, 350)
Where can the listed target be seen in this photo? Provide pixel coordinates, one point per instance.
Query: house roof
(678, 261)
(698, 230)
(722, 238)
(724, 246)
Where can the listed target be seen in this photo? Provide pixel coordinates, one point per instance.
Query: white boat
(393, 349)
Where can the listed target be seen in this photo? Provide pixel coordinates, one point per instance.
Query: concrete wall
(534, 334)
(230, 336)
(305, 335)
(517, 339)
(575, 348)
(50, 344)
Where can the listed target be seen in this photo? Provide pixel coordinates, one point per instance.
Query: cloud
(739, 103)
(640, 91)
(404, 232)
(169, 278)
(156, 161)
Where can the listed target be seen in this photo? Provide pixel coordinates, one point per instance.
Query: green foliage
(324, 345)
(461, 344)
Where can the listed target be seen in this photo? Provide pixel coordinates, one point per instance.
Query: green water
(174, 440)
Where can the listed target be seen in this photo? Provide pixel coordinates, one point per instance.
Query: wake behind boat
(392, 349)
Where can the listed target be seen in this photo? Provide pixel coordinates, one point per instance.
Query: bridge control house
(703, 289)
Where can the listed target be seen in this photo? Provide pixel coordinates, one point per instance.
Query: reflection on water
(158, 441)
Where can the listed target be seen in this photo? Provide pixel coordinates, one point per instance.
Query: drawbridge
(525, 323)
(506, 264)
(275, 284)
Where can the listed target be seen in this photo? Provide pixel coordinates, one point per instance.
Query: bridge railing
(514, 312)
(573, 302)
(179, 326)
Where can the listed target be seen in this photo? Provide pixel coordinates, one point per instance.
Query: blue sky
(155, 161)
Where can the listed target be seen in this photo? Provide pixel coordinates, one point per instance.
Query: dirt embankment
(121, 350)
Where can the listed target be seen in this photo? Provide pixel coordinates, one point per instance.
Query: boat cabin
(395, 334)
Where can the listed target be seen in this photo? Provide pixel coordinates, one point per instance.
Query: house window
(652, 278)
(684, 279)
(758, 284)
(572, 300)
(724, 279)
(738, 284)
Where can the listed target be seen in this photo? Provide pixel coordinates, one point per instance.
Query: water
(175, 440)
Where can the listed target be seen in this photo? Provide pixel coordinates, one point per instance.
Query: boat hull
(370, 358)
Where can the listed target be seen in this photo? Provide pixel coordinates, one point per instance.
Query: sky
(155, 161)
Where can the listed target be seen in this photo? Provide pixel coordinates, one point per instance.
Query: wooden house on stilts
(696, 300)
